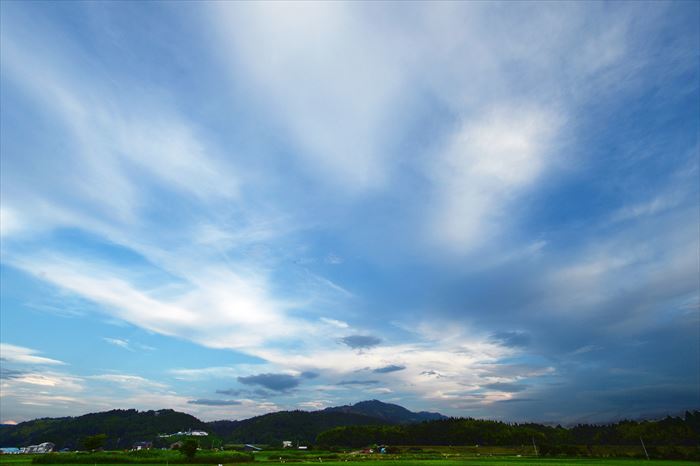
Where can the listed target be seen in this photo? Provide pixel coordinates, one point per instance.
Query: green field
(26, 460)
(467, 462)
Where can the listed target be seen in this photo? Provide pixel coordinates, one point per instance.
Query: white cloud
(9, 221)
(460, 360)
(128, 381)
(314, 405)
(46, 380)
(220, 308)
(484, 167)
(334, 322)
(215, 372)
(119, 342)
(380, 390)
(22, 355)
(326, 76)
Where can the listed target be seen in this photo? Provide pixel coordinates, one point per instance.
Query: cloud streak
(208, 402)
(22, 355)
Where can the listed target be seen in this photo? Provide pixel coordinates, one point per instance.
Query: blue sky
(482, 209)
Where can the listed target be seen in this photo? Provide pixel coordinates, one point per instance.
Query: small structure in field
(143, 445)
(286, 444)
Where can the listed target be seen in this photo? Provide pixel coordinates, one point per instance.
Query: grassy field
(26, 460)
(480, 461)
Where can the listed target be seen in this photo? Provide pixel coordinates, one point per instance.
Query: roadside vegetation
(27, 460)
(152, 456)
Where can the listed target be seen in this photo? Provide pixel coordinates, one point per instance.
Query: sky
(483, 209)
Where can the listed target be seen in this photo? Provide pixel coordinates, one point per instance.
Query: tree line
(467, 431)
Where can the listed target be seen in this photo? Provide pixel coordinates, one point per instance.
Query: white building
(193, 433)
(45, 447)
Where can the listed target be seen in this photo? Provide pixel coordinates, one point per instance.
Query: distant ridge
(388, 412)
(297, 426)
(124, 427)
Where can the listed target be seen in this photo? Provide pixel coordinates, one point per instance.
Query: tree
(94, 442)
(189, 448)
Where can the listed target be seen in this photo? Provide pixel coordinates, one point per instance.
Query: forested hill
(390, 413)
(297, 426)
(304, 426)
(122, 427)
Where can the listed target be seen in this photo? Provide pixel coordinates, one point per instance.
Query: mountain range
(124, 427)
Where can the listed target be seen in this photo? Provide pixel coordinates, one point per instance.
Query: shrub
(189, 448)
(142, 457)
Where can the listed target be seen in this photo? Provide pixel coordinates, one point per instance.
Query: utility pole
(534, 446)
(645, 448)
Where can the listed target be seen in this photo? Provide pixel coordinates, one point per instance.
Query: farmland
(437, 456)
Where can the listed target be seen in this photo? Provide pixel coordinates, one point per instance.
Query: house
(286, 444)
(45, 447)
(190, 432)
(142, 445)
(248, 447)
(9, 451)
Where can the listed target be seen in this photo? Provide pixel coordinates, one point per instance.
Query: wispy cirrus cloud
(209, 402)
(22, 355)
(334, 322)
(304, 42)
